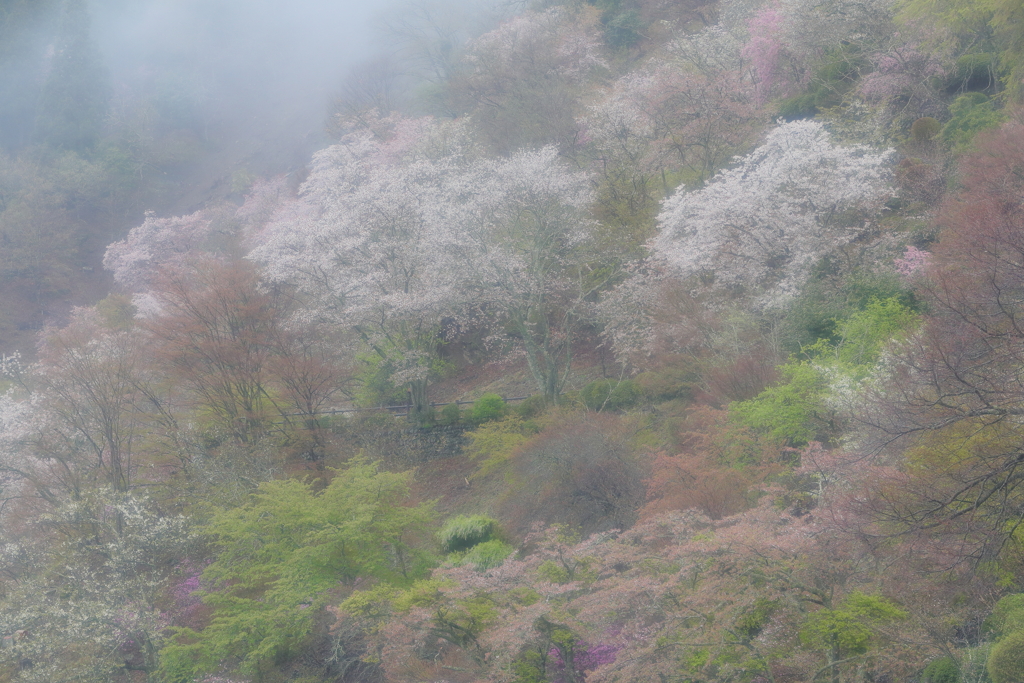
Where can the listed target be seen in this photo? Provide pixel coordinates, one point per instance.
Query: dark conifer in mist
(74, 98)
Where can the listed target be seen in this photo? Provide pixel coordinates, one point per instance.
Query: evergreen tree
(73, 103)
(23, 31)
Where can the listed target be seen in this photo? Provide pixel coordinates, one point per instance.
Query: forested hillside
(622, 340)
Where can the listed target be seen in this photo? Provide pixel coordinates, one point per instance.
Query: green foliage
(973, 71)
(530, 667)
(1007, 18)
(375, 385)
(567, 570)
(374, 604)
(834, 294)
(611, 394)
(451, 414)
(791, 412)
(279, 554)
(385, 600)
(973, 661)
(941, 670)
(969, 115)
(993, 24)
(750, 623)
(487, 408)
(1006, 661)
(833, 78)
(850, 628)
(863, 335)
(1007, 616)
(241, 181)
(462, 624)
(696, 660)
(679, 380)
(117, 311)
(486, 555)
(422, 593)
(795, 410)
(524, 596)
(532, 406)
(622, 29)
(463, 532)
(494, 442)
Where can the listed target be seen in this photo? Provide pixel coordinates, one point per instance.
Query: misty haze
(511, 341)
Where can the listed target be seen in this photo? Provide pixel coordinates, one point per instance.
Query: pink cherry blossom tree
(770, 62)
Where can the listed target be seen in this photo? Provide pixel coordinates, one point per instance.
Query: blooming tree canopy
(536, 269)
(522, 81)
(691, 110)
(391, 237)
(757, 228)
(368, 241)
(156, 245)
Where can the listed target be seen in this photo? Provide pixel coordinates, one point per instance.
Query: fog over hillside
(255, 72)
(508, 341)
(171, 106)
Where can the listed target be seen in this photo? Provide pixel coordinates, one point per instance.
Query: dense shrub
(486, 555)
(464, 532)
(488, 407)
(532, 406)
(924, 129)
(611, 394)
(1006, 662)
(451, 414)
(942, 670)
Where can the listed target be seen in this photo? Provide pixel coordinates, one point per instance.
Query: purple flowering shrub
(585, 657)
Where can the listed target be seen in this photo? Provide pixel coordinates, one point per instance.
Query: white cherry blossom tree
(757, 228)
(391, 237)
(79, 415)
(369, 242)
(156, 245)
(81, 594)
(539, 263)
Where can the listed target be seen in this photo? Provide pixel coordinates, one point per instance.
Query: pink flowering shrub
(188, 609)
(912, 261)
(585, 658)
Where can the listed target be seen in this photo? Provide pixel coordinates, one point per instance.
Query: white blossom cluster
(814, 26)
(578, 51)
(758, 227)
(158, 243)
(81, 604)
(390, 238)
